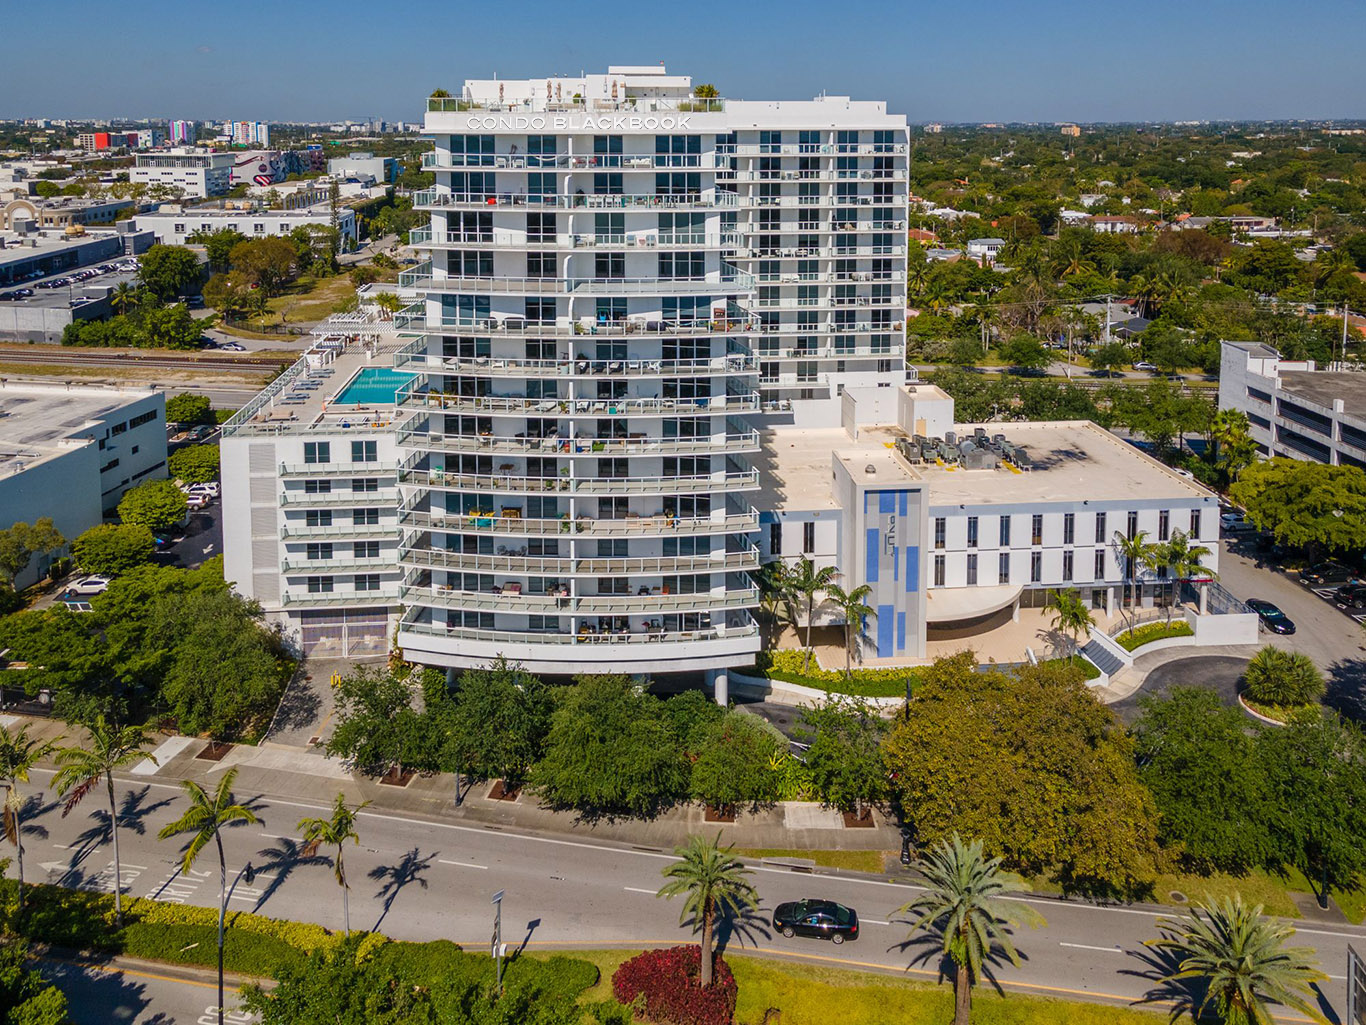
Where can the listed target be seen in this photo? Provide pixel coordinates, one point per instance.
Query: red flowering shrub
(668, 981)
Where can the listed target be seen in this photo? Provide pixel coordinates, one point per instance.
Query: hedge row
(1149, 632)
(786, 665)
(1087, 667)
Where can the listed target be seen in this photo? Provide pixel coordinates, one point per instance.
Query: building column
(1015, 611)
(719, 679)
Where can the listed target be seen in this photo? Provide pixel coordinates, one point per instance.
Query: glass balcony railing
(515, 325)
(661, 522)
(430, 441)
(445, 160)
(297, 530)
(553, 639)
(485, 366)
(499, 239)
(682, 104)
(728, 279)
(305, 499)
(592, 604)
(440, 198)
(719, 483)
(335, 599)
(718, 562)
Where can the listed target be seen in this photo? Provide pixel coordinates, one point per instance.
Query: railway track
(191, 361)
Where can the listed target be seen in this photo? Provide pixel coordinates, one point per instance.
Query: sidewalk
(278, 771)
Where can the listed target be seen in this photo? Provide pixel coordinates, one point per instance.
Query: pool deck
(304, 397)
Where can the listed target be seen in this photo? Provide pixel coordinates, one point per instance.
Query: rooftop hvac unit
(1022, 459)
(950, 438)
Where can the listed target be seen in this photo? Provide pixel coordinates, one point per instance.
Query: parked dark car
(823, 919)
(1271, 616)
(1353, 595)
(1326, 574)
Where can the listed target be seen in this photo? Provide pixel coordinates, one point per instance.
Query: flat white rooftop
(39, 421)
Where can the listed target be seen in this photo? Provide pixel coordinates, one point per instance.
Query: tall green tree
(203, 822)
(378, 729)
(156, 505)
(775, 598)
(963, 903)
(1305, 504)
(806, 581)
(845, 759)
(19, 753)
(188, 408)
(113, 548)
(335, 831)
(194, 464)
(169, 271)
(1136, 553)
(1241, 957)
(26, 998)
(1030, 763)
(269, 263)
(81, 769)
(20, 543)
(711, 881)
(1230, 436)
(1185, 560)
(499, 720)
(853, 608)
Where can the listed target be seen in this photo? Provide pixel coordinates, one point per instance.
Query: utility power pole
(498, 939)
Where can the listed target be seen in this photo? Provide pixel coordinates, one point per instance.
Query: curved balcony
(444, 160)
(728, 279)
(658, 524)
(745, 480)
(587, 605)
(736, 364)
(414, 319)
(433, 441)
(518, 406)
(718, 562)
(564, 648)
(442, 199)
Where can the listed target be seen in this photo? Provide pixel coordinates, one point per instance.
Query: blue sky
(949, 61)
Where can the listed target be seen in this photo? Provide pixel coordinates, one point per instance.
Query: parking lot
(67, 288)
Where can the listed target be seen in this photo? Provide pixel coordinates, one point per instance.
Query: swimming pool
(373, 386)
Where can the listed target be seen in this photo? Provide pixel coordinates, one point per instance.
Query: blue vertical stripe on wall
(896, 563)
(904, 496)
(886, 501)
(885, 626)
(871, 547)
(912, 568)
(901, 631)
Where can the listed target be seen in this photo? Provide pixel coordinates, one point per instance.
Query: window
(1067, 564)
(1164, 525)
(365, 549)
(1100, 529)
(363, 484)
(1195, 523)
(972, 569)
(1132, 528)
(317, 487)
(319, 550)
(363, 452)
(1100, 564)
(319, 585)
(318, 517)
(1035, 567)
(317, 452)
(1069, 528)
(367, 581)
(939, 561)
(1036, 530)
(1005, 531)
(1003, 568)
(972, 531)
(775, 539)
(258, 228)
(364, 517)
(142, 418)
(940, 530)
(808, 538)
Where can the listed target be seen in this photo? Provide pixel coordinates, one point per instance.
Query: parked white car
(197, 500)
(210, 488)
(93, 584)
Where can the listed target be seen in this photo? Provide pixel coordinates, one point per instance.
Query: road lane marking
(277, 836)
(874, 921)
(1087, 946)
(637, 889)
(460, 864)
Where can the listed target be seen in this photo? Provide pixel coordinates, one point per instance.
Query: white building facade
(198, 173)
(1293, 408)
(173, 227)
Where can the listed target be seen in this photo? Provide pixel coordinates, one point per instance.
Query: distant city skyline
(1056, 61)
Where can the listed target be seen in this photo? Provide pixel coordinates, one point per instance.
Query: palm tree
(1070, 614)
(204, 820)
(1230, 433)
(389, 304)
(963, 903)
(82, 768)
(775, 595)
(1186, 561)
(711, 880)
(852, 606)
(1241, 956)
(1136, 553)
(1284, 678)
(806, 582)
(123, 297)
(334, 832)
(18, 754)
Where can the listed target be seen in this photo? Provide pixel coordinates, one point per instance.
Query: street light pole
(498, 940)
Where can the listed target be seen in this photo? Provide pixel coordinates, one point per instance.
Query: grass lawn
(809, 994)
(306, 301)
(854, 861)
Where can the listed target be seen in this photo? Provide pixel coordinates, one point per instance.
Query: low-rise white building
(71, 451)
(985, 248)
(173, 225)
(1295, 409)
(198, 173)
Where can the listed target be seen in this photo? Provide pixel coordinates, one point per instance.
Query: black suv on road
(1353, 595)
